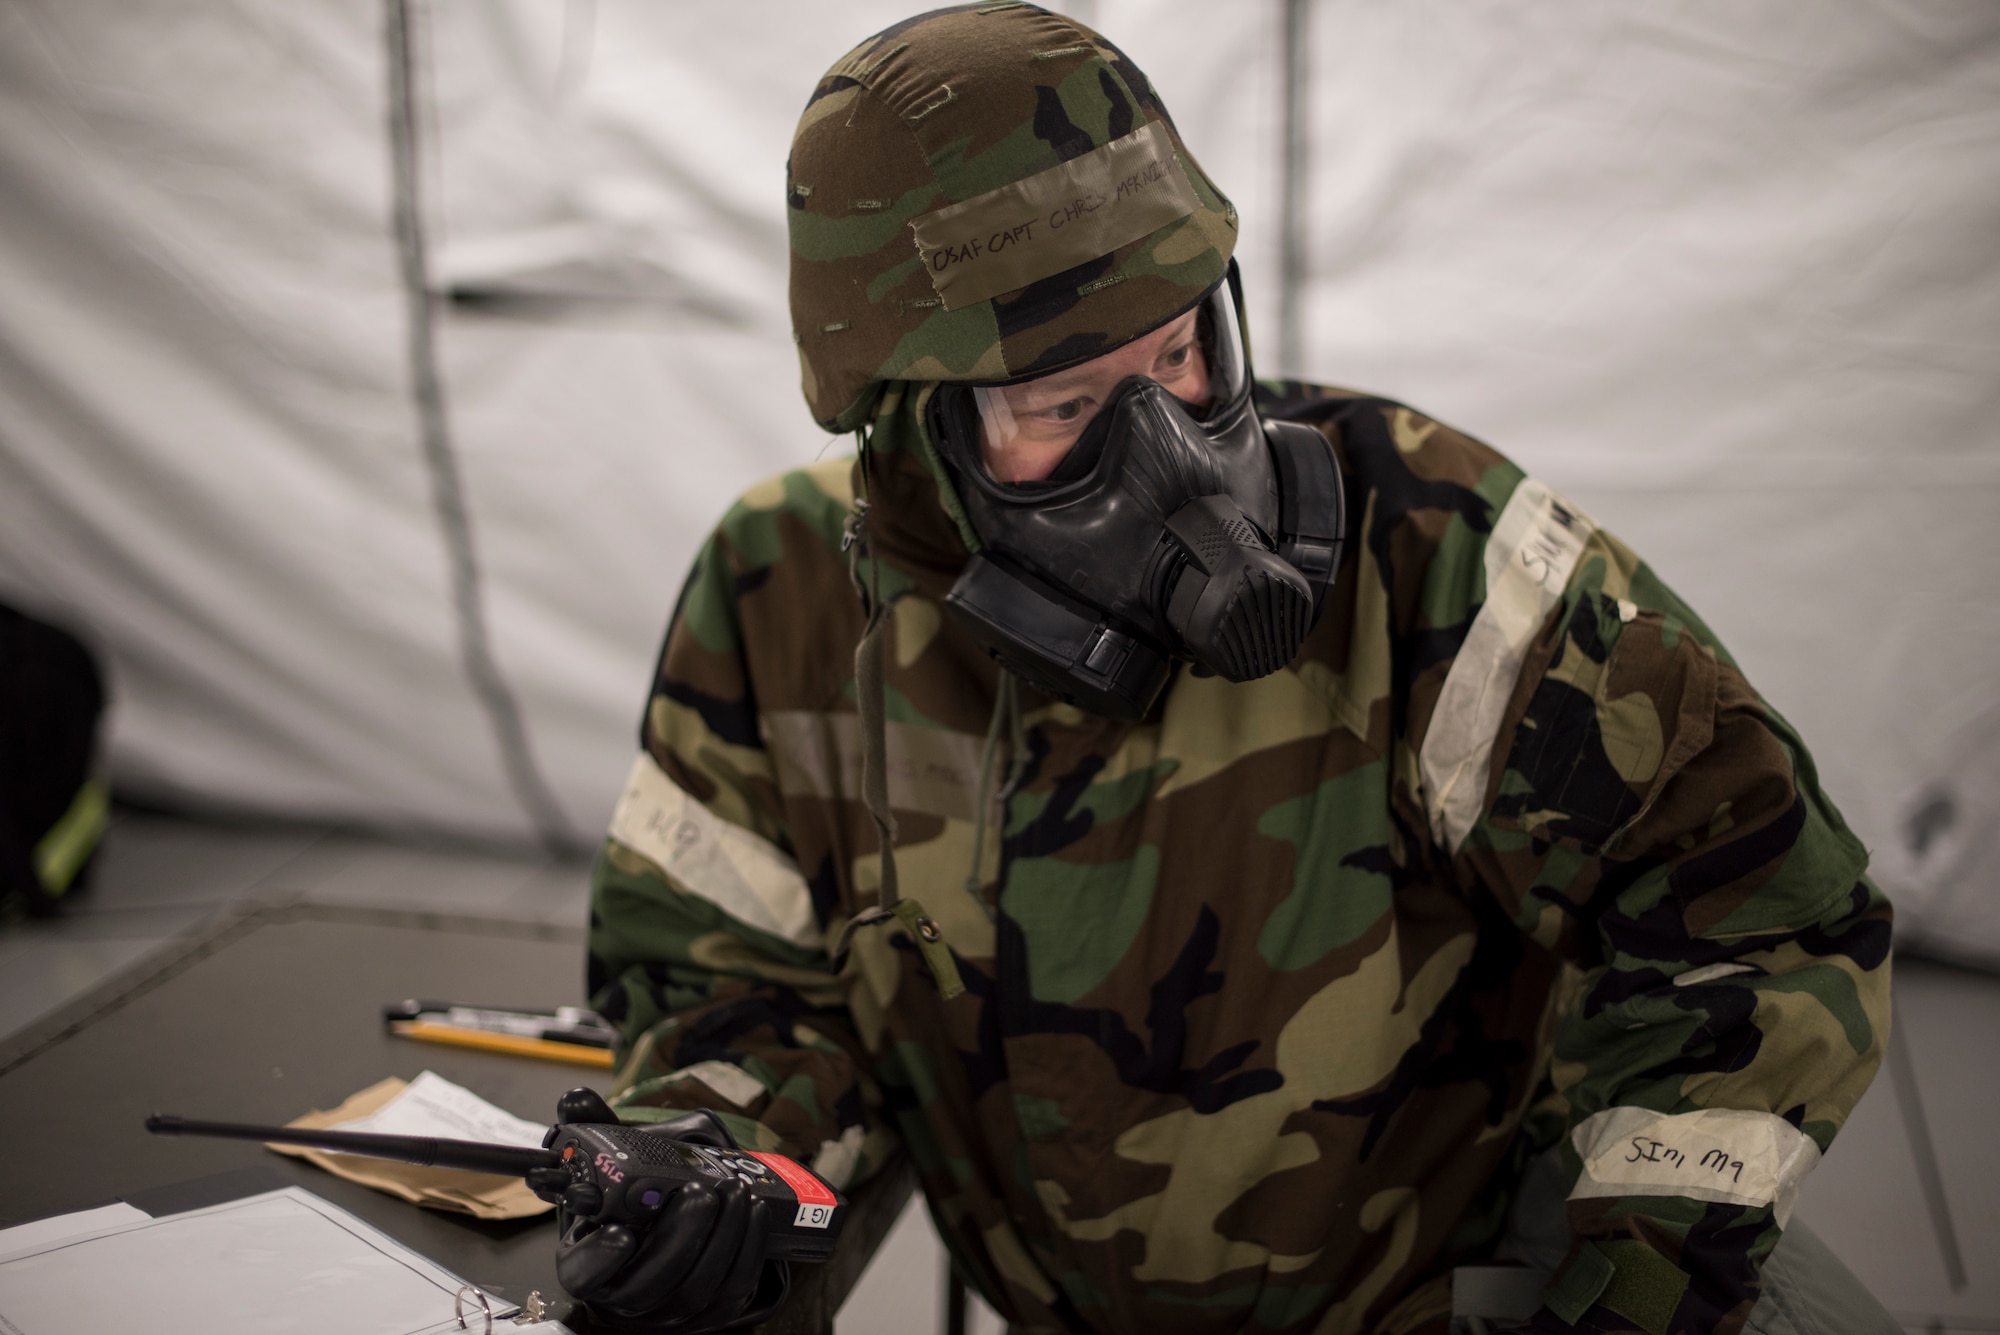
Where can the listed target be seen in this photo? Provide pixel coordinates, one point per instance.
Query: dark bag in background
(53, 808)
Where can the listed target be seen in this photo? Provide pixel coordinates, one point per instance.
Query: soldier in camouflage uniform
(1248, 1015)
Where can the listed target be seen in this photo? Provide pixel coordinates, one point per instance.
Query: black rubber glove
(698, 1267)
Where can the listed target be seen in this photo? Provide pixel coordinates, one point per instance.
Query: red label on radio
(808, 1188)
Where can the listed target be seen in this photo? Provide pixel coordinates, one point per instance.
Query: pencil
(576, 1053)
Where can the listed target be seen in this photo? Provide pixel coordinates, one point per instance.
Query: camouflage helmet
(987, 193)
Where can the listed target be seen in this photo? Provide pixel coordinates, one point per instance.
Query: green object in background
(61, 853)
(54, 806)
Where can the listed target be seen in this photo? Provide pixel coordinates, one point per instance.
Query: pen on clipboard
(566, 1034)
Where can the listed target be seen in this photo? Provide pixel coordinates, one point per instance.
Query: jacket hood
(915, 519)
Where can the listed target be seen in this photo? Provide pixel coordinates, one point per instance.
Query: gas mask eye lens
(1027, 428)
(1024, 438)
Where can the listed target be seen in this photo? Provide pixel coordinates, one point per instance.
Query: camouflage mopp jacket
(1268, 997)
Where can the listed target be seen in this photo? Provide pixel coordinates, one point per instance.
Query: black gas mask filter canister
(1162, 535)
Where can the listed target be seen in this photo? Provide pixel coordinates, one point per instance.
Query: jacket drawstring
(871, 698)
(1006, 717)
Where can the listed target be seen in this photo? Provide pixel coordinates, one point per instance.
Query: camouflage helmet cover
(987, 193)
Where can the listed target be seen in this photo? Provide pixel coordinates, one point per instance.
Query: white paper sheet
(21, 1237)
(433, 1106)
(282, 1263)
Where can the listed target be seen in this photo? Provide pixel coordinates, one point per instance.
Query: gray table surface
(276, 1010)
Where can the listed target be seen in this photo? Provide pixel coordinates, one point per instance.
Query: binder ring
(458, 1307)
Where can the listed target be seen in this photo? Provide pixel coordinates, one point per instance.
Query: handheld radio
(615, 1174)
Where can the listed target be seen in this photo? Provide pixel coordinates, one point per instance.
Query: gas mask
(1167, 532)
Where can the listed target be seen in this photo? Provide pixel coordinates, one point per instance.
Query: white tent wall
(611, 187)
(208, 453)
(1723, 275)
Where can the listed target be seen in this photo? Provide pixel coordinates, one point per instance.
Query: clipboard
(280, 1261)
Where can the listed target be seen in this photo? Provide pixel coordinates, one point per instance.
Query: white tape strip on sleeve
(1529, 557)
(1715, 1154)
(732, 1082)
(743, 874)
(837, 1159)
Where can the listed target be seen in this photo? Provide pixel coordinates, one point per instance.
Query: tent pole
(503, 711)
(1291, 244)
